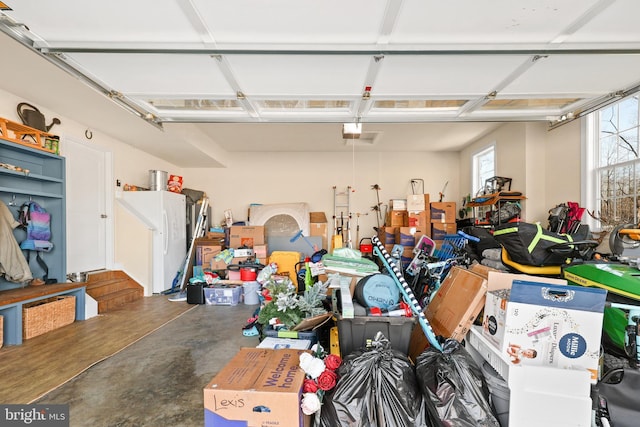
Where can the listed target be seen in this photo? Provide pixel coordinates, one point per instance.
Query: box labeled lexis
(258, 387)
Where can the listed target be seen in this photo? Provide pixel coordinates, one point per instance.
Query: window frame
(476, 185)
(591, 169)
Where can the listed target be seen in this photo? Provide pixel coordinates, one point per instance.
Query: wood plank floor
(45, 362)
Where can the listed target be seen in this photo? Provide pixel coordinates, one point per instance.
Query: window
(483, 168)
(614, 162)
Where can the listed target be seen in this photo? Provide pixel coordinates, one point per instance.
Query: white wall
(563, 162)
(544, 165)
(267, 178)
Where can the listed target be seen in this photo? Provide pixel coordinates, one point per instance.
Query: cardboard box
(258, 387)
(408, 236)
(417, 202)
(397, 218)
(201, 241)
(398, 204)
(318, 226)
(260, 251)
(205, 253)
(249, 236)
(550, 325)
(457, 303)
(420, 219)
(441, 229)
(453, 309)
(494, 311)
(387, 235)
(443, 211)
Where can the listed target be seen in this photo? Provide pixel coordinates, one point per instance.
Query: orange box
(249, 236)
(441, 229)
(205, 254)
(408, 236)
(443, 211)
(420, 219)
(387, 235)
(397, 219)
(318, 226)
(174, 184)
(258, 387)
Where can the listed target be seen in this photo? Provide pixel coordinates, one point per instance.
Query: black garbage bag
(453, 387)
(377, 388)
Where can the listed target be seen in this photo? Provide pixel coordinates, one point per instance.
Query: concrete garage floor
(159, 380)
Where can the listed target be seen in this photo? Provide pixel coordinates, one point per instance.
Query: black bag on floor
(377, 388)
(529, 244)
(619, 388)
(453, 387)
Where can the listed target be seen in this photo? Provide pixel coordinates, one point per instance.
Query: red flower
(309, 386)
(327, 380)
(332, 362)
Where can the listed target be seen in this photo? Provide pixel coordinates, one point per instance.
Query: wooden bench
(12, 300)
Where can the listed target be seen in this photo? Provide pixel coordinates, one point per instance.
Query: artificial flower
(327, 380)
(312, 366)
(320, 370)
(309, 386)
(310, 403)
(332, 361)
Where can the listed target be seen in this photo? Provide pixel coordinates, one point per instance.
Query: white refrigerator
(165, 214)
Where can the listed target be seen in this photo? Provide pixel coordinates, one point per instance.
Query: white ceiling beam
(227, 72)
(197, 21)
(581, 21)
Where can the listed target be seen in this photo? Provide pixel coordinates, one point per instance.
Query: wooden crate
(45, 315)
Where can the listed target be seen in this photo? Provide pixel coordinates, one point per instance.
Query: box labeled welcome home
(258, 387)
(553, 326)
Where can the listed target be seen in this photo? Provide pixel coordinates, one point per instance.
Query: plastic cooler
(359, 331)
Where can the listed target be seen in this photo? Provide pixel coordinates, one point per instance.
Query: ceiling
(225, 77)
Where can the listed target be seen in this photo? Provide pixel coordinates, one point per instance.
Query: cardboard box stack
(419, 214)
(318, 226)
(408, 237)
(443, 220)
(251, 237)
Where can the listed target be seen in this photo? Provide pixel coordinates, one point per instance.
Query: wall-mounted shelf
(44, 183)
(15, 132)
(484, 206)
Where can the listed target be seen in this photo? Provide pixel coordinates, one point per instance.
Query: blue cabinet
(41, 178)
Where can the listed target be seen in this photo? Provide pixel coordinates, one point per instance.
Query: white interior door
(88, 210)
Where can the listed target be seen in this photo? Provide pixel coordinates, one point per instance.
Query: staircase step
(116, 299)
(104, 287)
(99, 276)
(113, 288)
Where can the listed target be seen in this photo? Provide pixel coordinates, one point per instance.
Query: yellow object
(336, 241)
(286, 262)
(334, 343)
(547, 270)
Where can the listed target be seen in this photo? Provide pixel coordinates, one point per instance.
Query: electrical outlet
(118, 183)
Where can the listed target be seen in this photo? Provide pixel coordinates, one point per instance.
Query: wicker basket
(48, 314)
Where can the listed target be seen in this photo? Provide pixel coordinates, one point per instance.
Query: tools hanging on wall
(342, 211)
(378, 207)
